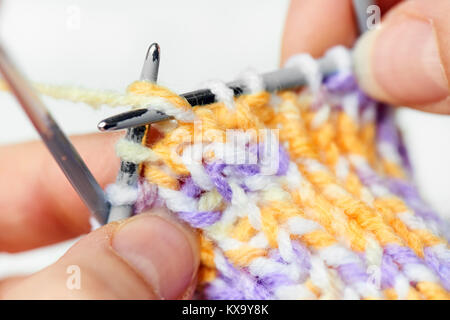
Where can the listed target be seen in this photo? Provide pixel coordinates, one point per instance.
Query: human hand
(406, 61)
(149, 256)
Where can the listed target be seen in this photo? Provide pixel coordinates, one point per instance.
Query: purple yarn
(237, 284)
(244, 187)
(402, 255)
(403, 153)
(190, 189)
(341, 82)
(283, 162)
(223, 187)
(352, 273)
(302, 256)
(386, 129)
(364, 100)
(440, 266)
(302, 259)
(274, 280)
(367, 176)
(402, 188)
(215, 167)
(215, 172)
(389, 271)
(411, 196)
(246, 169)
(200, 219)
(147, 196)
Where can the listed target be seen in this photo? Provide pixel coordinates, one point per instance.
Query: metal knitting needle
(273, 81)
(128, 174)
(59, 146)
(282, 79)
(360, 9)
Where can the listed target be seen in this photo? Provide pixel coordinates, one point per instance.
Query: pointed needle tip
(151, 63)
(104, 126)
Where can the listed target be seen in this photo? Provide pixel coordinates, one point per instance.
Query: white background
(199, 39)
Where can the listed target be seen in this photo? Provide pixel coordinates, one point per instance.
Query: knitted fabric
(296, 195)
(312, 199)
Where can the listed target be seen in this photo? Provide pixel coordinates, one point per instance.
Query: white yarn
(229, 243)
(262, 267)
(134, 152)
(222, 92)
(120, 194)
(387, 150)
(350, 103)
(341, 58)
(293, 176)
(309, 67)
(176, 200)
(192, 158)
(319, 274)
(222, 264)
(297, 292)
(321, 116)
(411, 221)
(300, 226)
(258, 182)
(275, 193)
(313, 165)
(259, 241)
(210, 201)
(350, 294)
(342, 168)
(418, 272)
(169, 109)
(336, 255)
(374, 252)
(114, 99)
(285, 245)
(252, 81)
(246, 206)
(441, 250)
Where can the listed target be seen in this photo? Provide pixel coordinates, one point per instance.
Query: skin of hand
(404, 61)
(153, 255)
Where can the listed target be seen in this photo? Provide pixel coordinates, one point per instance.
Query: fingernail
(400, 63)
(160, 251)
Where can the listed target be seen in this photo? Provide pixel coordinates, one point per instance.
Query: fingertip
(149, 256)
(163, 251)
(315, 26)
(400, 62)
(362, 58)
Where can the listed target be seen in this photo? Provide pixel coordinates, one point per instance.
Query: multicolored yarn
(296, 195)
(338, 218)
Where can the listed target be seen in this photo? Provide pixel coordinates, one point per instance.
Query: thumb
(406, 61)
(149, 256)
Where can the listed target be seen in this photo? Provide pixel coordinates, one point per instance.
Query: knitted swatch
(296, 196)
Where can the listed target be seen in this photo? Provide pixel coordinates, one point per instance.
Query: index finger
(313, 26)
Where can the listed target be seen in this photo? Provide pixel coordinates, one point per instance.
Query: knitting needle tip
(151, 63)
(129, 171)
(103, 126)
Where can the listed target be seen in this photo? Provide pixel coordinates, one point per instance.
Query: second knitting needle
(282, 79)
(128, 174)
